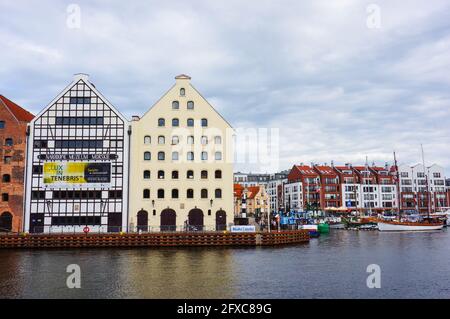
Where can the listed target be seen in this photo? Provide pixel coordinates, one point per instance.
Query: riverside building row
(89, 169)
(366, 188)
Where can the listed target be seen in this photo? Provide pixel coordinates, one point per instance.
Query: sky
(336, 80)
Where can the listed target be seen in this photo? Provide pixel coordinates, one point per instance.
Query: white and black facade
(77, 164)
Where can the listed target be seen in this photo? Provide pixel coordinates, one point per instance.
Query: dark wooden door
(36, 223)
(221, 220)
(142, 220)
(168, 220)
(6, 222)
(195, 219)
(114, 222)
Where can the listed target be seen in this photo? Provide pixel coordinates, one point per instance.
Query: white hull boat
(402, 226)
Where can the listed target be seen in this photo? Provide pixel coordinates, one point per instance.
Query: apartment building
(275, 190)
(182, 164)
(350, 186)
(310, 182)
(251, 179)
(422, 189)
(369, 189)
(77, 164)
(387, 188)
(329, 191)
(13, 129)
(293, 196)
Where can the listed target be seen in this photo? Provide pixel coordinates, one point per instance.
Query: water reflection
(414, 265)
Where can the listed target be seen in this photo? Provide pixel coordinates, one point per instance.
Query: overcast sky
(338, 85)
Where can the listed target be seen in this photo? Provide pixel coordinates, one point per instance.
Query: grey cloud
(336, 89)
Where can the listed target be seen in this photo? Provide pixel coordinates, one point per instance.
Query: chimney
(135, 118)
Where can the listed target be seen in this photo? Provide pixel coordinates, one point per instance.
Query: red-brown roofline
(19, 113)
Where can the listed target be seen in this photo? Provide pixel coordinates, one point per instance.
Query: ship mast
(426, 183)
(397, 177)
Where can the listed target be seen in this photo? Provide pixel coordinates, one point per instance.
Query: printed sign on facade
(76, 174)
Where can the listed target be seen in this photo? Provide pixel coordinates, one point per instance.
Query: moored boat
(408, 226)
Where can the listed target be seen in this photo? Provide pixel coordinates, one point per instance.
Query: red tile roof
(306, 170)
(252, 191)
(20, 113)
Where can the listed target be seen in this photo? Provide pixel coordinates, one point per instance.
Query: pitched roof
(19, 113)
(251, 191)
(306, 170)
(325, 170)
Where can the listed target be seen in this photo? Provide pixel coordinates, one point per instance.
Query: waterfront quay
(161, 239)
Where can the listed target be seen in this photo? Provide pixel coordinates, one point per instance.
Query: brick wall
(17, 131)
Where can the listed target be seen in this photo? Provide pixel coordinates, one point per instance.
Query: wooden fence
(46, 241)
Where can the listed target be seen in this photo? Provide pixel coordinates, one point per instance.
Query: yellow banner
(70, 173)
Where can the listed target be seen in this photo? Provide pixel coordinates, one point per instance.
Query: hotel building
(13, 128)
(182, 164)
(77, 164)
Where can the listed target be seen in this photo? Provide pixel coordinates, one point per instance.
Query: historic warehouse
(77, 164)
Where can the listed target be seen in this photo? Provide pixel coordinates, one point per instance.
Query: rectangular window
(117, 169)
(38, 195)
(37, 169)
(5, 197)
(116, 143)
(40, 144)
(80, 100)
(7, 159)
(2, 124)
(92, 120)
(77, 194)
(76, 220)
(78, 143)
(117, 194)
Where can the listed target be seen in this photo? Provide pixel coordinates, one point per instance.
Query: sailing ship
(426, 224)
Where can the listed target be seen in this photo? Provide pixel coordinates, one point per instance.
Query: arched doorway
(221, 220)
(168, 220)
(6, 222)
(195, 219)
(142, 220)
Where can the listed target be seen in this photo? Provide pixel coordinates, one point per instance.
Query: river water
(413, 265)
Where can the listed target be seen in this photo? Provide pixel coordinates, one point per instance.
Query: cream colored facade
(159, 199)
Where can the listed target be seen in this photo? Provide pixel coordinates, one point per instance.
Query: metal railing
(131, 229)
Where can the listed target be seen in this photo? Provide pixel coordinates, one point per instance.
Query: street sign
(86, 229)
(243, 229)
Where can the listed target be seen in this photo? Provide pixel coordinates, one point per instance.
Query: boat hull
(383, 226)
